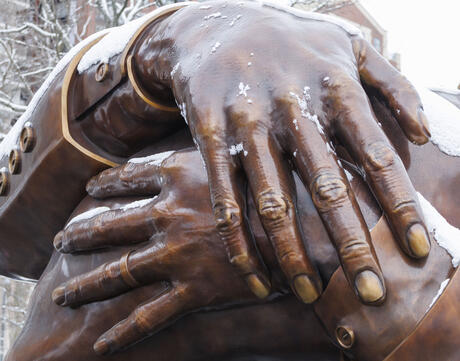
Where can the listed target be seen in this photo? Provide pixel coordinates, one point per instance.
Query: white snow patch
(243, 89)
(238, 17)
(117, 39)
(250, 63)
(326, 79)
(154, 159)
(345, 25)
(448, 91)
(330, 148)
(349, 175)
(205, 7)
(11, 139)
(174, 70)
(303, 104)
(87, 215)
(215, 47)
(314, 119)
(138, 204)
(444, 120)
(296, 123)
(250, 101)
(440, 291)
(213, 16)
(183, 111)
(237, 149)
(447, 236)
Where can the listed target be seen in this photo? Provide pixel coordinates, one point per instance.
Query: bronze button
(27, 139)
(345, 336)
(14, 163)
(4, 182)
(101, 72)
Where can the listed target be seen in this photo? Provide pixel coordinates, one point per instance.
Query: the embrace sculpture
(252, 218)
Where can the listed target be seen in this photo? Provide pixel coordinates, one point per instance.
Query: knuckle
(227, 215)
(241, 262)
(107, 273)
(208, 130)
(126, 172)
(338, 80)
(68, 240)
(288, 256)
(142, 321)
(244, 114)
(328, 190)
(273, 206)
(181, 293)
(97, 225)
(72, 290)
(379, 156)
(404, 205)
(354, 249)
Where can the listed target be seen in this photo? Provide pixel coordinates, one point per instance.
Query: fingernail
(418, 240)
(369, 287)
(101, 347)
(424, 120)
(257, 287)
(305, 289)
(58, 241)
(58, 295)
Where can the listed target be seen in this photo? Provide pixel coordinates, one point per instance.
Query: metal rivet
(4, 182)
(345, 336)
(101, 72)
(14, 163)
(27, 139)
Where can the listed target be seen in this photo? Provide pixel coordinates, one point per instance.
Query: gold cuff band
(141, 93)
(124, 271)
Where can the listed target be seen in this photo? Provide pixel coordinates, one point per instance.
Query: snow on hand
(447, 236)
(444, 119)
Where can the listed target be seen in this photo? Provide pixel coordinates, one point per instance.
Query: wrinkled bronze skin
(280, 121)
(342, 107)
(186, 253)
(275, 106)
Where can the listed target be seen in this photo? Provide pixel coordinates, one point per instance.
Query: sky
(427, 35)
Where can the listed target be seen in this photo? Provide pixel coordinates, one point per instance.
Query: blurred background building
(354, 12)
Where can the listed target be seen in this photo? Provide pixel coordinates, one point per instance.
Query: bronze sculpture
(329, 186)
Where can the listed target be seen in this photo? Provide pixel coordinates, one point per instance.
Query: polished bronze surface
(181, 255)
(216, 271)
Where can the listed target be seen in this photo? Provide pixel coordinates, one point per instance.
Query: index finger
(228, 206)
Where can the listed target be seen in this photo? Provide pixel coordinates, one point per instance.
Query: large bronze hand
(262, 87)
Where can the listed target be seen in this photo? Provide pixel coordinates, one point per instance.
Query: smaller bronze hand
(182, 251)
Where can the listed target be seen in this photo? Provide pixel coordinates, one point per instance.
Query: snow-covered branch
(28, 26)
(15, 107)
